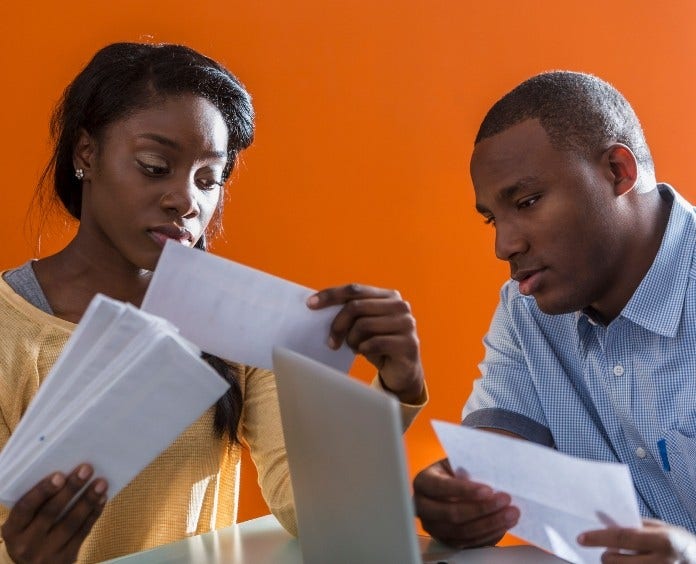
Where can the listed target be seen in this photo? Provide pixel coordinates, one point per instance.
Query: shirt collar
(658, 301)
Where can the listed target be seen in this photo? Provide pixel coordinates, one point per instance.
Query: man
(592, 349)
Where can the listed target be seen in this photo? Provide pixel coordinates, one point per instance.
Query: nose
(509, 241)
(180, 198)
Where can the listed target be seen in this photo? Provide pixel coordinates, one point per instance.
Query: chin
(555, 307)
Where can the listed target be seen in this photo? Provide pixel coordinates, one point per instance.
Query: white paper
(125, 386)
(237, 312)
(559, 496)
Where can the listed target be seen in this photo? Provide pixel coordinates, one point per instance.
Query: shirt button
(640, 452)
(618, 370)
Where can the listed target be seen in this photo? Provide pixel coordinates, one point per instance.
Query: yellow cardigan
(192, 487)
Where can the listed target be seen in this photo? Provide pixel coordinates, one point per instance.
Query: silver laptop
(348, 471)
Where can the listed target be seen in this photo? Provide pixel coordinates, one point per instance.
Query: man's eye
(528, 202)
(489, 220)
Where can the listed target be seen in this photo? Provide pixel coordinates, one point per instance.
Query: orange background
(366, 114)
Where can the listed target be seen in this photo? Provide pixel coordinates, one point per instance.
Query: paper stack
(125, 386)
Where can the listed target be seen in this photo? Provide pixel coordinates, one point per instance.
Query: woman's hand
(378, 324)
(656, 542)
(36, 529)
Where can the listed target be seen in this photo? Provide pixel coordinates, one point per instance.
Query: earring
(79, 174)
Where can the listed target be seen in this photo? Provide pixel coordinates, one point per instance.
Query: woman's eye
(209, 183)
(154, 169)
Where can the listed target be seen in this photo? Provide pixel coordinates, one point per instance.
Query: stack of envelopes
(125, 386)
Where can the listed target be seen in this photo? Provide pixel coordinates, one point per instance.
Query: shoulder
(30, 343)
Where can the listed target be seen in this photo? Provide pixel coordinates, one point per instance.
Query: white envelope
(237, 312)
(559, 496)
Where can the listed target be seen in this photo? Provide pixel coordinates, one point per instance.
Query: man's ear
(622, 168)
(84, 153)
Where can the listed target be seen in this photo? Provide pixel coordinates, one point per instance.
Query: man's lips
(529, 279)
(162, 233)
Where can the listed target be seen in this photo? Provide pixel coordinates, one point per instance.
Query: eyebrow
(508, 193)
(174, 145)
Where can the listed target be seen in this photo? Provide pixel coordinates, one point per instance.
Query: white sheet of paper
(559, 496)
(119, 417)
(237, 312)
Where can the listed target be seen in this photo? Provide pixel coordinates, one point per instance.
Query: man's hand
(655, 543)
(378, 324)
(459, 512)
(36, 532)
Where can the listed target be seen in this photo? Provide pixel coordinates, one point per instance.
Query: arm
(263, 433)
(656, 542)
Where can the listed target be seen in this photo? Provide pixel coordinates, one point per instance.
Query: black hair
(121, 79)
(579, 112)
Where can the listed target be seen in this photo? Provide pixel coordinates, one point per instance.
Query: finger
(465, 527)
(459, 512)
(364, 328)
(342, 294)
(78, 520)
(639, 540)
(71, 548)
(375, 316)
(50, 511)
(26, 507)
(437, 482)
(401, 349)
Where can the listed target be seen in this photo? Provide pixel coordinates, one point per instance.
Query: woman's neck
(72, 277)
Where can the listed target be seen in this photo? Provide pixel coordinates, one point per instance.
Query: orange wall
(367, 111)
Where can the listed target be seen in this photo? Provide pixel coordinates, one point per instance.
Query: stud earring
(79, 174)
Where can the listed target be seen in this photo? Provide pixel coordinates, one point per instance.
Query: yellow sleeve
(262, 431)
(408, 410)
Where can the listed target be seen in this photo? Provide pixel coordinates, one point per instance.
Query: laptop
(349, 477)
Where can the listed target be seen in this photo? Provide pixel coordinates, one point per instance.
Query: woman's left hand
(656, 542)
(378, 324)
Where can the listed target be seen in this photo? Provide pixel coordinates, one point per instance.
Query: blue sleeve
(504, 397)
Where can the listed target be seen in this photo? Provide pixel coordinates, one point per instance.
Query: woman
(146, 137)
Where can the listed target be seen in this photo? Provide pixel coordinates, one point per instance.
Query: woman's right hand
(34, 532)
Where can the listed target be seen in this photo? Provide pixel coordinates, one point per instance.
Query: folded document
(125, 386)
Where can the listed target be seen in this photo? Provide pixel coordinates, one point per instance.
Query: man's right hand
(459, 512)
(34, 532)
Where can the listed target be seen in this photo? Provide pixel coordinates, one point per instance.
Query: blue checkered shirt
(623, 392)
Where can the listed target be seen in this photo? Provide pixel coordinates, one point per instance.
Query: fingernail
(312, 300)
(102, 500)
(581, 538)
(100, 487)
(83, 473)
(58, 480)
(332, 343)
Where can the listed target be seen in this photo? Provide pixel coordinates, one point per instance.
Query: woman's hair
(121, 79)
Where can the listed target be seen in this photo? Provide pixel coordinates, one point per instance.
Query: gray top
(23, 281)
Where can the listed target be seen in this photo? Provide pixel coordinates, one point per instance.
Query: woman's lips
(161, 236)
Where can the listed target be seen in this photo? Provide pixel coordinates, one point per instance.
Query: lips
(162, 233)
(529, 280)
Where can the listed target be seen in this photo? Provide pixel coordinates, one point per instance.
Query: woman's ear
(623, 168)
(84, 153)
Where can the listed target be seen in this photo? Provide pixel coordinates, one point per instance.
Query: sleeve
(505, 397)
(263, 433)
(408, 411)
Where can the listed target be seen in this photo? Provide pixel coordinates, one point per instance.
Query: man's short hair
(579, 112)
